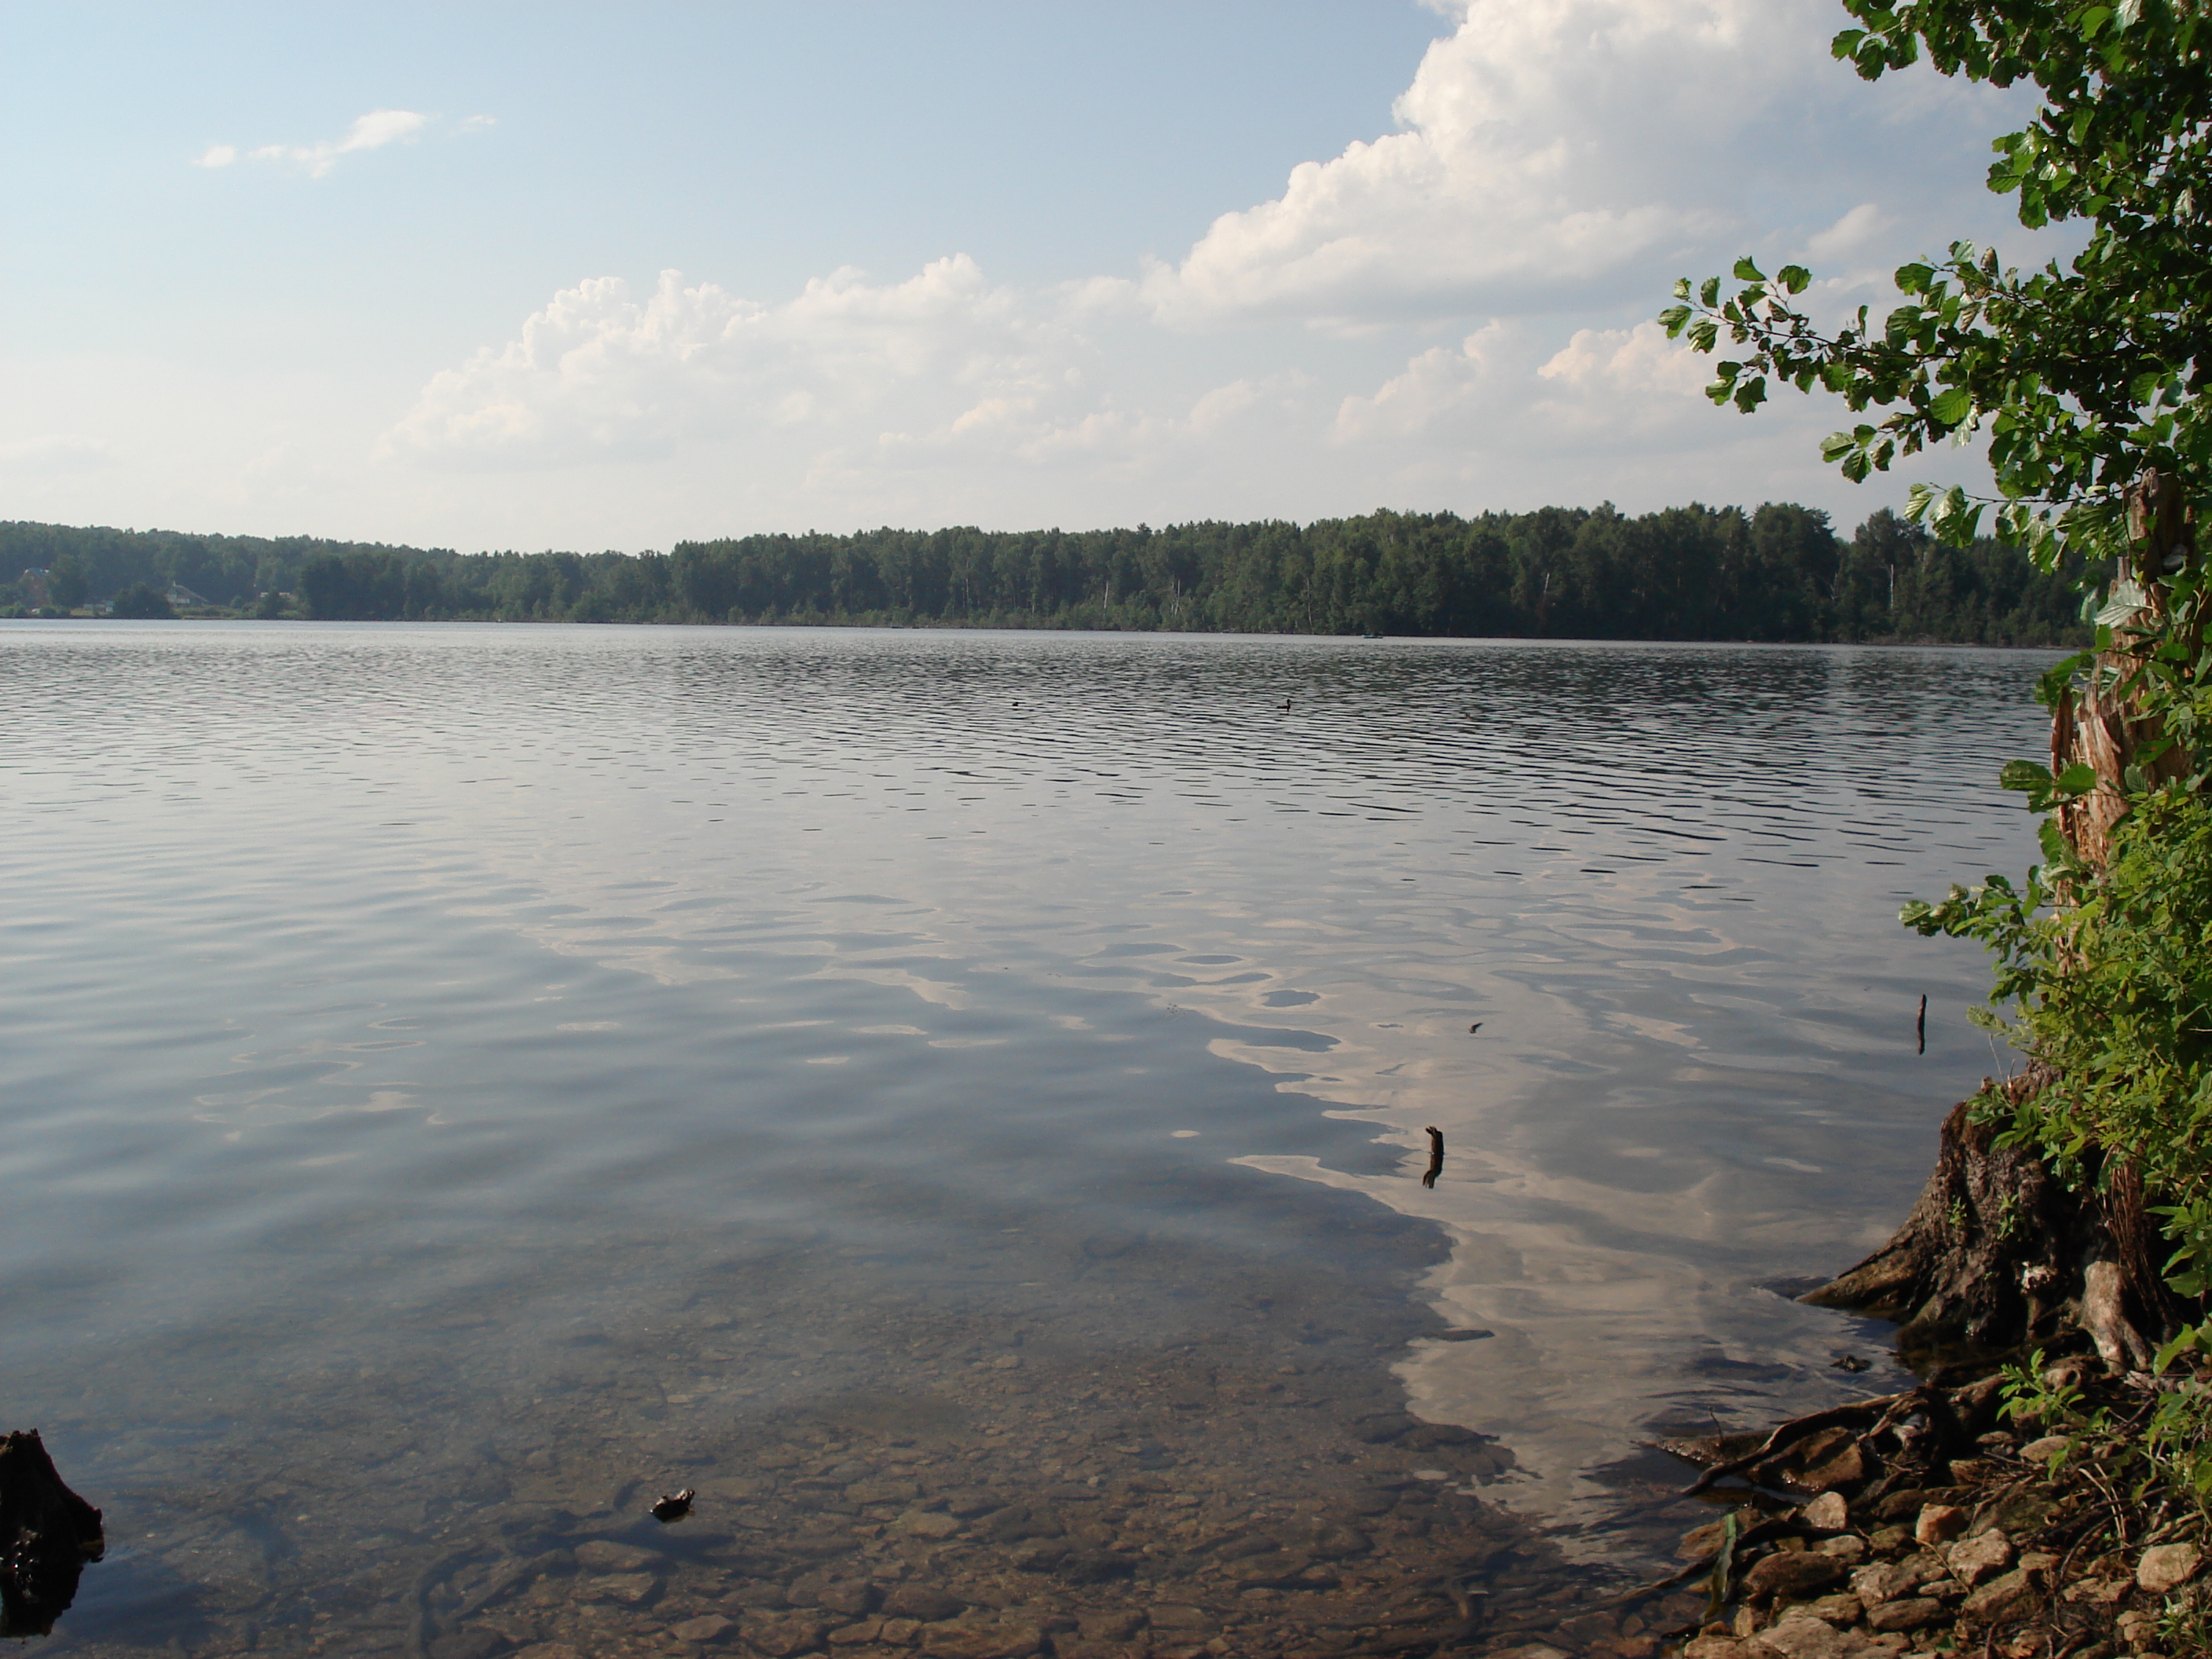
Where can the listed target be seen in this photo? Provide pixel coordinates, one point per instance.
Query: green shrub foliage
(2088, 381)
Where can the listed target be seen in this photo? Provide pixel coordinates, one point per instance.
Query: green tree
(142, 601)
(66, 582)
(2090, 382)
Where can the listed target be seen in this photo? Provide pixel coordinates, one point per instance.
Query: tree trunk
(1997, 1258)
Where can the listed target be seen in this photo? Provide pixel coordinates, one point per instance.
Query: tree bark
(1998, 1258)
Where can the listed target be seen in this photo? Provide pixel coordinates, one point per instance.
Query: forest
(1779, 573)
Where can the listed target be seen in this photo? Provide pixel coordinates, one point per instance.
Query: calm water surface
(450, 1069)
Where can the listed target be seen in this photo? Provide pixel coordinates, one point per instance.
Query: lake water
(460, 1083)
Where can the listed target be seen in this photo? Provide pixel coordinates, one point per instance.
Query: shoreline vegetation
(2047, 1490)
(1776, 574)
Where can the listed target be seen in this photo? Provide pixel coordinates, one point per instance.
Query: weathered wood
(1997, 1257)
(47, 1533)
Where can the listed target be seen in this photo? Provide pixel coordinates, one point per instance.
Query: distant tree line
(1694, 573)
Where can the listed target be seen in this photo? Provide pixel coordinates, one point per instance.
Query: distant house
(180, 594)
(34, 584)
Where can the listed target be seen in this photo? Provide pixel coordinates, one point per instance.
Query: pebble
(1801, 1636)
(1827, 1513)
(705, 1629)
(1792, 1578)
(2165, 1567)
(1911, 1613)
(1983, 1556)
(2000, 1596)
(1938, 1523)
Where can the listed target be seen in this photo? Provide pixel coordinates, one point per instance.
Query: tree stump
(47, 1533)
(1998, 1258)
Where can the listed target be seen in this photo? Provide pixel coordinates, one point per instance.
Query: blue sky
(597, 276)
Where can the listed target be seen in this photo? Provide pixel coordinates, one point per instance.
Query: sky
(593, 276)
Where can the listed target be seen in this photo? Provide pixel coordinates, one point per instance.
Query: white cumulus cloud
(1552, 153)
(598, 372)
(1555, 164)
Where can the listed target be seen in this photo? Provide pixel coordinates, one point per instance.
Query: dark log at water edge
(47, 1533)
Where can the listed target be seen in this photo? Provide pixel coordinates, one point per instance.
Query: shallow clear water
(429, 1049)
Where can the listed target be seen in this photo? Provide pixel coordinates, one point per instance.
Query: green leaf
(1913, 279)
(2025, 774)
(1951, 405)
(1795, 279)
(2188, 1339)
(1674, 320)
(1836, 445)
(1709, 296)
(1747, 272)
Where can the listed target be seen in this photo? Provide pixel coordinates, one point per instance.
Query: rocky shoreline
(1960, 1533)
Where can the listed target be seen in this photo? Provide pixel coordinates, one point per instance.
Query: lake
(957, 1101)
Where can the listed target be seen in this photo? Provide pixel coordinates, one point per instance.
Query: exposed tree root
(1998, 1257)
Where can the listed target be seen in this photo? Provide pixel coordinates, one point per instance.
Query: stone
(1802, 1637)
(855, 1599)
(548, 1650)
(926, 1523)
(707, 1627)
(854, 1636)
(1176, 1616)
(1912, 1612)
(1938, 1523)
(782, 1638)
(1984, 1556)
(1827, 1513)
(604, 1555)
(2001, 1597)
(2099, 1592)
(1849, 1549)
(922, 1603)
(899, 1632)
(2167, 1567)
(1118, 1626)
(1842, 1469)
(1885, 1581)
(1792, 1578)
(882, 1491)
(1838, 1609)
(2043, 1450)
(1699, 1542)
(630, 1589)
(1334, 1543)
(1725, 1647)
(959, 1641)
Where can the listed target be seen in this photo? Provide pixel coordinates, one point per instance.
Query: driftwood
(47, 1533)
